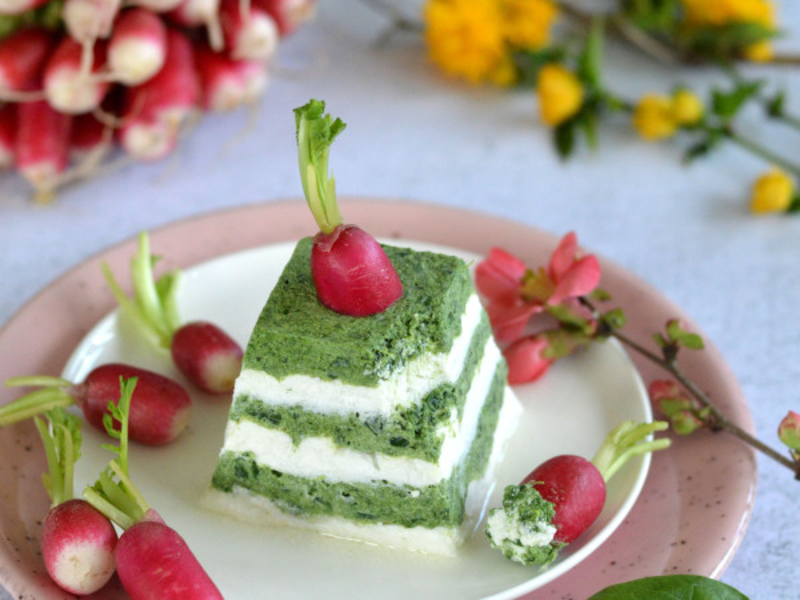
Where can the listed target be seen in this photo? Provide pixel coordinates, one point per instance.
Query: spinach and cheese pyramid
(384, 428)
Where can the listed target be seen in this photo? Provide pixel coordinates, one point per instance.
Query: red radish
(226, 83)
(41, 148)
(160, 410)
(8, 134)
(249, 35)
(562, 497)
(351, 271)
(200, 13)
(23, 55)
(89, 136)
(68, 87)
(288, 14)
(16, 7)
(138, 46)
(90, 20)
(78, 542)
(204, 353)
(153, 560)
(156, 109)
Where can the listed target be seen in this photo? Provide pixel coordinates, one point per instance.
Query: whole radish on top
(203, 352)
(152, 559)
(352, 274)
(562, 497)
(78, 542)
(160, 409)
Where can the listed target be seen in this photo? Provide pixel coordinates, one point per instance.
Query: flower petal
(509, 320)
(563, 256)
(580, 279)
(499, 274)
(525, 360)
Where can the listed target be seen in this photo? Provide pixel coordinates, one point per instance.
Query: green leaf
(775, 105)
(727, 104)
(564, 138)
(615, 318)
(670, 587)
(316, 132)
(591, 59)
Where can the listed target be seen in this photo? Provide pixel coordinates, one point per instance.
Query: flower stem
(716, 420)
(764, 153)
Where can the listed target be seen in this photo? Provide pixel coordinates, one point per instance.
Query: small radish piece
(68, 88)
(78, 542)
(207, 356)
(226, 83)
(42, 146)
(8, 135)
(352, 274)
(249, 35)
(155, 110)
(138, 46)
(288, 14)
(17, 7)
(204, 353)
(562, 497)
(23, 55)
(90, 20)
(153, 560)
(159, 414)
(200, 13)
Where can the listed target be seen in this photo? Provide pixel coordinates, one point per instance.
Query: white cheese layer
(318, 456)
(247, 506)
(420, 376)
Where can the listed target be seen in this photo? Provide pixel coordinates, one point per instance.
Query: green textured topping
(297, 335)
(377, 502)
(412, 431)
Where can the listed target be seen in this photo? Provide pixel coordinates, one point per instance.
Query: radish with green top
(226, 83)
(78, 542)
(562, 497)
(159, 413)
(70, 86)
(352, 274)
(152, 559)
(137, 48)
(249, 34)
(204, 353)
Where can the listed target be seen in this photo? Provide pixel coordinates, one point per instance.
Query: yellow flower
(527, 23)
(715, 13)
(465, 38)
(772, 192)
(687, 108)
(560, 94)
(760, 52)
(653, 117)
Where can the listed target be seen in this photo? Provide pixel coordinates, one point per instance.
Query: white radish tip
(258, 40)
(149, 141)
(83, 569)
(70, 93)
(135, 61)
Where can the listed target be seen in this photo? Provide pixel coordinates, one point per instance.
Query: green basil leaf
(670, 587)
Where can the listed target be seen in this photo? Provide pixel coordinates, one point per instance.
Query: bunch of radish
(159, 411)
(352, 274)
(205, 354)
(562, 497)
(78, 77)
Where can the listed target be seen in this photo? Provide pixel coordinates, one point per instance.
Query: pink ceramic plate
(689, 518)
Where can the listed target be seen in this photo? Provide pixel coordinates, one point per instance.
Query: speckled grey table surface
(685, 230)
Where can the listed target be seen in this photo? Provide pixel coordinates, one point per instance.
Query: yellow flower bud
(653, 117)
(527, 23)
(759, 52)
(560, 94)
(772, 192)
(687, 108)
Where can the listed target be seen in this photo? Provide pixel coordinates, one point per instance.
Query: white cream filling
(246, 506)
(318, 456)
(420, 376)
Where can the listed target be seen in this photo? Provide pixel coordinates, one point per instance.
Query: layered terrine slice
(384, 428)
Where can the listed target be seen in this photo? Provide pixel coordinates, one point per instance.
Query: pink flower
(789, 430)
(514, 293)
(526, 359)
